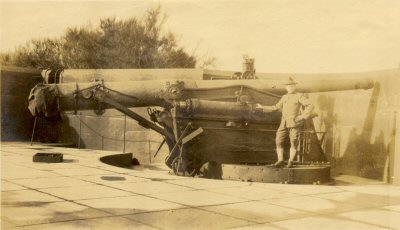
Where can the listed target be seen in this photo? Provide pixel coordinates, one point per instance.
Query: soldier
(292, 120)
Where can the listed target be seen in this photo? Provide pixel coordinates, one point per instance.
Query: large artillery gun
(212, 127)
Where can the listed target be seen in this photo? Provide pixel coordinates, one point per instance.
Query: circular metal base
(299, 174)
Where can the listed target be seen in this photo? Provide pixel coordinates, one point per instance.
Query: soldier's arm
(272, 108)
(307, 105)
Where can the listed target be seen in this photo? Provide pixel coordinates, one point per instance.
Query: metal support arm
(102, 96)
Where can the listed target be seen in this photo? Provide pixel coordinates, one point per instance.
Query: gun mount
(212, 127)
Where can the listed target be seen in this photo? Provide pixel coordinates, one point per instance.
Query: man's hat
(290, 81)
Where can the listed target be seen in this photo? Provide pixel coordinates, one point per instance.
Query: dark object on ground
(120, 160)
(48, 157)
(135, 161)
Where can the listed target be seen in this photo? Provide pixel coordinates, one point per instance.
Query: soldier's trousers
(283, 133)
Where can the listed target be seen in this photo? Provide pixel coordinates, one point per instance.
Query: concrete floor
(83, 193)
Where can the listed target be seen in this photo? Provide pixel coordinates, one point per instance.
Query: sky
(284, 36)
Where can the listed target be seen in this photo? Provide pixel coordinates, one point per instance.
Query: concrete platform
(83, 193)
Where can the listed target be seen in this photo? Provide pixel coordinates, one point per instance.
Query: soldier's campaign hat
(290, 81)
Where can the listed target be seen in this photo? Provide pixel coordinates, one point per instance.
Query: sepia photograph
(189, 114)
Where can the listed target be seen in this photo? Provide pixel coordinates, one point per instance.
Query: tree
(132, 43)
(6, 59)
(40, 54)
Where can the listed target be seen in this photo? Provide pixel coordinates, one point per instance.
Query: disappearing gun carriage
(212, 127)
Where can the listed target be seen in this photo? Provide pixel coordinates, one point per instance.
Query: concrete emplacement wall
(360, 125)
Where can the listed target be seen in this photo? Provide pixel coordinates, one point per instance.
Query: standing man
(296, 107)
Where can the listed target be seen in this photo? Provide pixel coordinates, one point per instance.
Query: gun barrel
(88, 75)
(335, 85)
(129, 94)
(196, 108)
(74, 96)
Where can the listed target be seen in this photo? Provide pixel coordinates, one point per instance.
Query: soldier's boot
(291, 157)
(280, 162)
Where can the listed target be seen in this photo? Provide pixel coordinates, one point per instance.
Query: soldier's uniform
(292, 119)
(296, 107)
